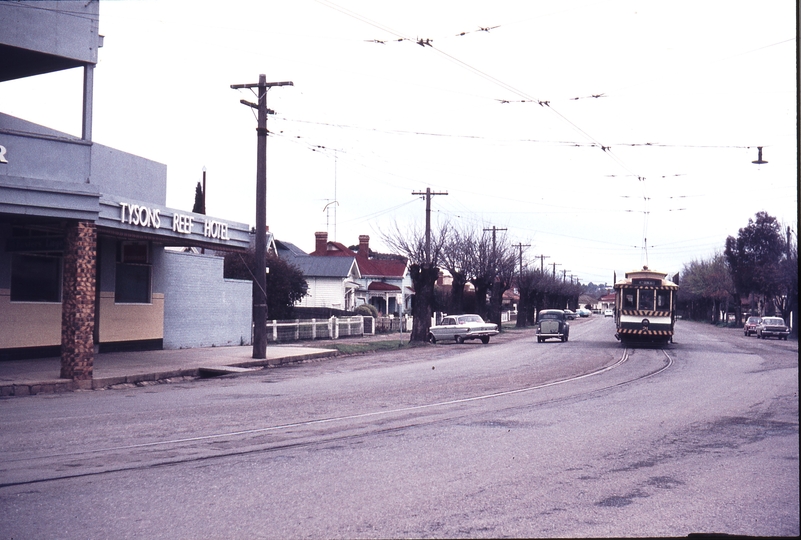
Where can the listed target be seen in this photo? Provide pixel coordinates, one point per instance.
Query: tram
(645, 307)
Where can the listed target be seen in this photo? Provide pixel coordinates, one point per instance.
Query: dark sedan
(552, 323)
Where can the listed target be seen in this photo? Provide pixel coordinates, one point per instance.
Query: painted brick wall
(201, 309)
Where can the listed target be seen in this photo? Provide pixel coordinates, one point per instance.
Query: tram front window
(628, 298)
(663, 300)
(646, 301)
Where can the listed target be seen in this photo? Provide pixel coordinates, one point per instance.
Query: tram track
(30, 470)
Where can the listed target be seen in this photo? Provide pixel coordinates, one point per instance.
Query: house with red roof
(384, 279)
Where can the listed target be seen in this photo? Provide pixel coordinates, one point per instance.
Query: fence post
(275, 330)
(333, 328)
(314, 329)
(297, 329)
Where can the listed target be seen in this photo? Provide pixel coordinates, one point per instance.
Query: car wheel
(459, 339)
(485, 339)
(539, 340)
(431, 338)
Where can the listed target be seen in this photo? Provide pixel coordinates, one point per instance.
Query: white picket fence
(310, 329)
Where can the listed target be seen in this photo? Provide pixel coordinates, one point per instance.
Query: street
(515, 438)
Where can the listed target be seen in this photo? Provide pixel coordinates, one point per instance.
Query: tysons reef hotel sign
(146, 217)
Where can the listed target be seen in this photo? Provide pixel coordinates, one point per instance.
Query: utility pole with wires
(494, 251)
(554, 268)
(520, 247)
(428, 194)
(542, 261)
(260, 294)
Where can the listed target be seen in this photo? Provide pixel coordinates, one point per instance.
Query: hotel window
(35, 278)
(133, 273)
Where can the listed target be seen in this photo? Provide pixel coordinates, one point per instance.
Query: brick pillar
(78, 301)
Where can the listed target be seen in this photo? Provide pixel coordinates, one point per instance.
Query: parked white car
(609, 313)
(461, 328)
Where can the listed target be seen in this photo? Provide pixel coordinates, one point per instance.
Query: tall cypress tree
(199, 207)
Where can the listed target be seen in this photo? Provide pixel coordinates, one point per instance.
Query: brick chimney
(364, 246)
(320, 243)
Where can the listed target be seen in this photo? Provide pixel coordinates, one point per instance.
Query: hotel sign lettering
(143, 216)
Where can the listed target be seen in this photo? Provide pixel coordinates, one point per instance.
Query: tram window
(662, 300)
(628, 298)
(646, 300)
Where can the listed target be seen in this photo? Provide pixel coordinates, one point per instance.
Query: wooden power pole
(428, 194)
(260, 294)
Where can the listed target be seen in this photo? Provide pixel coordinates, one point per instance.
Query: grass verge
(373, 346)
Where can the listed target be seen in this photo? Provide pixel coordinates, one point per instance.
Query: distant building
(607, 301)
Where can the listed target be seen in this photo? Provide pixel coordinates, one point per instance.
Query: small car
(552, 323)
(750, 325)
(461, 328)
(583, 312)
(609, 313)
(772, 327)
(571, 315)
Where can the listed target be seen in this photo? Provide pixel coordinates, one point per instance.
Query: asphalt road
(513, 438)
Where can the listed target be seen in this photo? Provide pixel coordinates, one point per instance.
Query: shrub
(366, 310)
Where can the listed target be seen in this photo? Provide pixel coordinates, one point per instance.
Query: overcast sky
(586, 129)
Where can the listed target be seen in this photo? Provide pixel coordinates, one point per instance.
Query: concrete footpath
(41, 375)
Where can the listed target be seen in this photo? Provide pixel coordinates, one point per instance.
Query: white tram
(645, 307)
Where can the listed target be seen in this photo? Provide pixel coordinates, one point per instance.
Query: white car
(461, 328)
(609, 313)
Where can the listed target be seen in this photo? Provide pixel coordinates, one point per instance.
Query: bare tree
(424, 273)
(492, 268)
(505, 266)
(456, 259)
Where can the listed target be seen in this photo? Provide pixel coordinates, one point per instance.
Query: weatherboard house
(341, 278)
(85, 234)
(383, 282)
